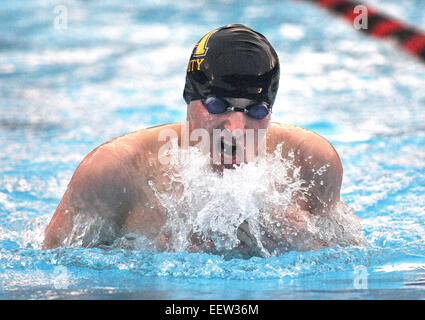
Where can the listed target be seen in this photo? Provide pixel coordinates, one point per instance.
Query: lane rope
(380, 25)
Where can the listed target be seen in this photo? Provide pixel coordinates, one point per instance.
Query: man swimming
(231, 84)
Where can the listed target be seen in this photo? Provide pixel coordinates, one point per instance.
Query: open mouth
(228, 152)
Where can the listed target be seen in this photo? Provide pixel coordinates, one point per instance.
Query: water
(117, 68)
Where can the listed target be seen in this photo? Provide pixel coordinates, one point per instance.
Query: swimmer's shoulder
(141, 142)
(300, 139)
(117, 168)
(291, 131)
(290, 136)
(127, 153)
(313, 153)
(144, 137)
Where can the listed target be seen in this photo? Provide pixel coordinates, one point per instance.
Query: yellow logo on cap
(201, 46)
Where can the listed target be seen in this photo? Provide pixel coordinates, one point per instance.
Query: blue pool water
(114, 68)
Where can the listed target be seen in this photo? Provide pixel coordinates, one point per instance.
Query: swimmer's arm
(60, 225)
(99, 188)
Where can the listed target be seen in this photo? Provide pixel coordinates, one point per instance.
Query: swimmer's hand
(245, 236)
(295, 228)
(281, 232)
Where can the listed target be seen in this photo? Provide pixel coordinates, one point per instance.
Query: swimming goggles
(256, 110)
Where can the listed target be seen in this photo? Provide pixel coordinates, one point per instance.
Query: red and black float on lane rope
(408, 38)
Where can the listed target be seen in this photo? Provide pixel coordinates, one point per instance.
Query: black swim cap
(233, 61)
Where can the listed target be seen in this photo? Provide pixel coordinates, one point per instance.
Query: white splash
(244, 208)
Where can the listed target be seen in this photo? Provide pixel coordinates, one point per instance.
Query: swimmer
(231, 84)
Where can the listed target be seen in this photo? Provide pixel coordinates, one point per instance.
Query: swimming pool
(68, 85)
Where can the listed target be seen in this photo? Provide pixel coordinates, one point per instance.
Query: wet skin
(112, 181)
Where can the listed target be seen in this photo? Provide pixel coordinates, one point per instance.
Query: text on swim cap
(192, 64)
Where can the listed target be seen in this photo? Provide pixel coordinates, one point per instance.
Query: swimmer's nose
(235, 121)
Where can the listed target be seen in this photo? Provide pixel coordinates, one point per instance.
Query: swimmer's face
(239, 137)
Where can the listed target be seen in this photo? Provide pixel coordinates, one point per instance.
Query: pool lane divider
(380, 25)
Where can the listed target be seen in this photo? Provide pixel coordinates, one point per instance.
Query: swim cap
(233, 61)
